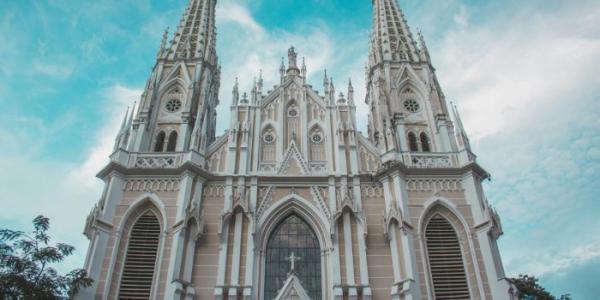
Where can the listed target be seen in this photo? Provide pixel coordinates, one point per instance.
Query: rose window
(173, 105)
(412, 105)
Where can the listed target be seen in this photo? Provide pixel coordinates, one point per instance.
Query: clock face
(173, 105)
(412, 105)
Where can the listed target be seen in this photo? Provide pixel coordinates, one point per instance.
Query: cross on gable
(292, 259)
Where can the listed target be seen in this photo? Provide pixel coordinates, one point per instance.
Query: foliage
(25, 265)
(530, 289)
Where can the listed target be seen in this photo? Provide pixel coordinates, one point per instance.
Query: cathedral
(292, 202)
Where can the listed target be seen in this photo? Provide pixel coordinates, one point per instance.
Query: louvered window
(138, 272)
(445, 261)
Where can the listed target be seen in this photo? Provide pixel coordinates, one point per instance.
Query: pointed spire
(325, 83)
(282, 70)
(350, 92)
(391, 38)
(260, 82)
(196, 33)
(236, 92)
(124, 122)
(303, 69)
(130, 121)
(461, 134)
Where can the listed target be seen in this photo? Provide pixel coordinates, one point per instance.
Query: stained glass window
(293, 235)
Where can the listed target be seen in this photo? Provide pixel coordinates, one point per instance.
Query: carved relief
(151, 185)
(433, 185)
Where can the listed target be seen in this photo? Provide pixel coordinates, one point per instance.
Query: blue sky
(523, 73)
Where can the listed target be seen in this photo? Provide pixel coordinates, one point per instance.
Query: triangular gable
(293, 163)
(408, 76)
(292, 290)
(178, 71)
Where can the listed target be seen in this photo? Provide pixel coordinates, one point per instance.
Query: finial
(124, 119)
(282, 67)
(131, 115)
(303, 67)
(350, 87)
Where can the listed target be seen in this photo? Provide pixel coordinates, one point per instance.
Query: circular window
(412, 105)
(317, 138)
(293, 113)
(173, 105)
(269, 138)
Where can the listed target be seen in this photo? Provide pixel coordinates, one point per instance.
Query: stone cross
(293, 259)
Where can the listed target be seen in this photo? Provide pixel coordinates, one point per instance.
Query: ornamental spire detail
(391, 38)
(195, 37)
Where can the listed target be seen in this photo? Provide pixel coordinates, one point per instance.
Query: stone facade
(293, 151)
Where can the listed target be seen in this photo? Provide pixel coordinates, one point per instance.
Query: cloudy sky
(525, 75)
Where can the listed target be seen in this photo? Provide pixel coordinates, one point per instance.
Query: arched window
(140, 262)
(425, 142)
(159, 144)
(172, 145)
(412, 142)
(293, 235)
(445, 260)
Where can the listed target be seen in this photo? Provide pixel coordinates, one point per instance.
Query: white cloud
(528, 90)
(63, 191)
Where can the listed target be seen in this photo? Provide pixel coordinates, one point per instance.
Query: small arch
(172, 144)
(425, 146)
(159, 142)
(412, 142)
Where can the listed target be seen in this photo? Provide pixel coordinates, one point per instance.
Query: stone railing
(155, 160)
(430, 160)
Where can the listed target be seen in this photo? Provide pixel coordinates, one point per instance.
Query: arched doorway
(293, 235)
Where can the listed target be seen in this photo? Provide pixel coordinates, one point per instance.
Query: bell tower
(408, 111)
(177, 108)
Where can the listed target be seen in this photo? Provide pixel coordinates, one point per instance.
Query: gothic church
(292, 202)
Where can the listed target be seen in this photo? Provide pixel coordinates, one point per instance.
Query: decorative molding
(156, 162)
(318, 195)
(430, 161)
(151, 185)
(266, 194)
(434, 185)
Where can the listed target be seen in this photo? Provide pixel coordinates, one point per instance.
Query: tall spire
(391, 39)
(196, 34)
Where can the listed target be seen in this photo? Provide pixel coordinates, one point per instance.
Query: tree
(25, 265)
(530, 289)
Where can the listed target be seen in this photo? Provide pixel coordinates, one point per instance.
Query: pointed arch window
(293, 235)
(159, 144)
(445, 260)
(172, 144)
(412, 142)
(140, 262)
(425, 142)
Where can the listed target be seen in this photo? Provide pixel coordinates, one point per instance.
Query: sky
(524, 74)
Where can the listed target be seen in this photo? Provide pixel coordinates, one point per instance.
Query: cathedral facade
(292, 202)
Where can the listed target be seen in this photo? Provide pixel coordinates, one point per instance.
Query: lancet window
(293, 236)
(445, 260)
(159, 142)
(140, 260)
